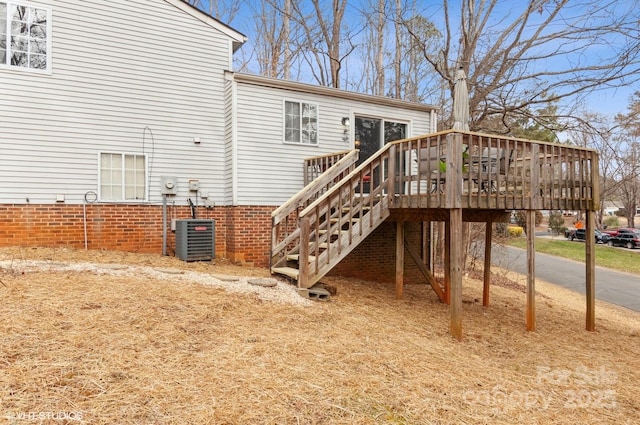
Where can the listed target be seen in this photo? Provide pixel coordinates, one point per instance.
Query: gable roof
(329, 91)
(237, 37)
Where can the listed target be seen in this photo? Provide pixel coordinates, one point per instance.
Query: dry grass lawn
(133, 349)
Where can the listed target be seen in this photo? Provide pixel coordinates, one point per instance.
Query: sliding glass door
(371, 134)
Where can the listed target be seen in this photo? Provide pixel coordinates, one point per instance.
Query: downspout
(433, 121)
(234, 142)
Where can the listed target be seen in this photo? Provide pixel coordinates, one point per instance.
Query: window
(25, 36)
(122, 177)
(300, 123)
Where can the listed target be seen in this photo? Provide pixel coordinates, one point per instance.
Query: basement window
(25, 36)
(123, 177)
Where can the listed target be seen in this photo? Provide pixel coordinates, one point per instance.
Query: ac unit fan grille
(195, 240)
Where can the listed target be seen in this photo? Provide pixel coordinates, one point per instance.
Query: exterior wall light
(346, 122)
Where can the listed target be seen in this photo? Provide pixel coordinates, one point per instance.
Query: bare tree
(380, 39)
(273, 46)
(223, 10)
(631, 120)
(520, 55)
(286, 31)
(393, 64)
(629, 187)
(414, 79)
(598, 132)
(397, 62)
(324, 35)
(373, 48)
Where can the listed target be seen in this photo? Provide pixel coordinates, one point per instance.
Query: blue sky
(608, 101)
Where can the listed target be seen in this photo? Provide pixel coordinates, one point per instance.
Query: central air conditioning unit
(195, 240)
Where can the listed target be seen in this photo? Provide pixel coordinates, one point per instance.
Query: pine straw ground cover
(136, 348)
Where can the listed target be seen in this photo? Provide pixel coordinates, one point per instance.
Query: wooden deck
(451, 176)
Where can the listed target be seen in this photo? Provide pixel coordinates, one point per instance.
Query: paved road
(614, 287)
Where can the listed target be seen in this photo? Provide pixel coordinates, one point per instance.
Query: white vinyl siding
(300, 122)
(270, 172)
(133, 76)
(122, 177)
(25, 36)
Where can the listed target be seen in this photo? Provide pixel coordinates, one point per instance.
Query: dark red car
(621, 230)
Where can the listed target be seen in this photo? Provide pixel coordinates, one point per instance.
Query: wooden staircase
(308, 242)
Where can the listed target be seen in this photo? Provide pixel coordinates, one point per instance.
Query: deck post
(399, 259)
(447, 261)
(535, 200)
(531, 270)
(487, 263)
(454, 237)
(427, 244)
(303, 254)
(590, 273)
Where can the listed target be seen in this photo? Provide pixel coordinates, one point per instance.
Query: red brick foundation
(249, 234)
(375, 258)
(242, 234)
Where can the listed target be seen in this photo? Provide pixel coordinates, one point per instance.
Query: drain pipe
(194, 213)
(164, 224)
(89, 198)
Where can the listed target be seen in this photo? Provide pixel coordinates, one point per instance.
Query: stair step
(347, 209)
(287, 271)
(296, 257)
(322, 245)
(324, 232)
(353, 220)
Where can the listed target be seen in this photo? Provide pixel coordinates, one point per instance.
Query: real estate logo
(578, 388)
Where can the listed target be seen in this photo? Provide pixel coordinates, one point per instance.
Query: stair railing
(285, 229)
(334, 224)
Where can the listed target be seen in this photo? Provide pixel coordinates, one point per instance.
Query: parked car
(629, 240)
(615, 232)
(580, 235)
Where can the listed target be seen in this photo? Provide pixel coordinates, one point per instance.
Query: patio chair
(494, 162)
(432, 167)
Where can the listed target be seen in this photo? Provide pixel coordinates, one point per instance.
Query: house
(611, 207)
(104, 103)
(120, 116)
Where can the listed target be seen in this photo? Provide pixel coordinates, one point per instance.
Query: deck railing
(454, 169)
(334, 224)
(316, 165)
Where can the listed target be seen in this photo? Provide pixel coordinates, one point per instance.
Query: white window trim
(6, 31)
(284, 123)
(146, 179)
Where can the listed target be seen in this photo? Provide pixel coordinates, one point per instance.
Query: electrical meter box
(168, 185)
(194, 185)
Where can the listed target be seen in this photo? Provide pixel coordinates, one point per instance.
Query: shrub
(515, 231)
(556, 223)
(611, 221)
(521, 218)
